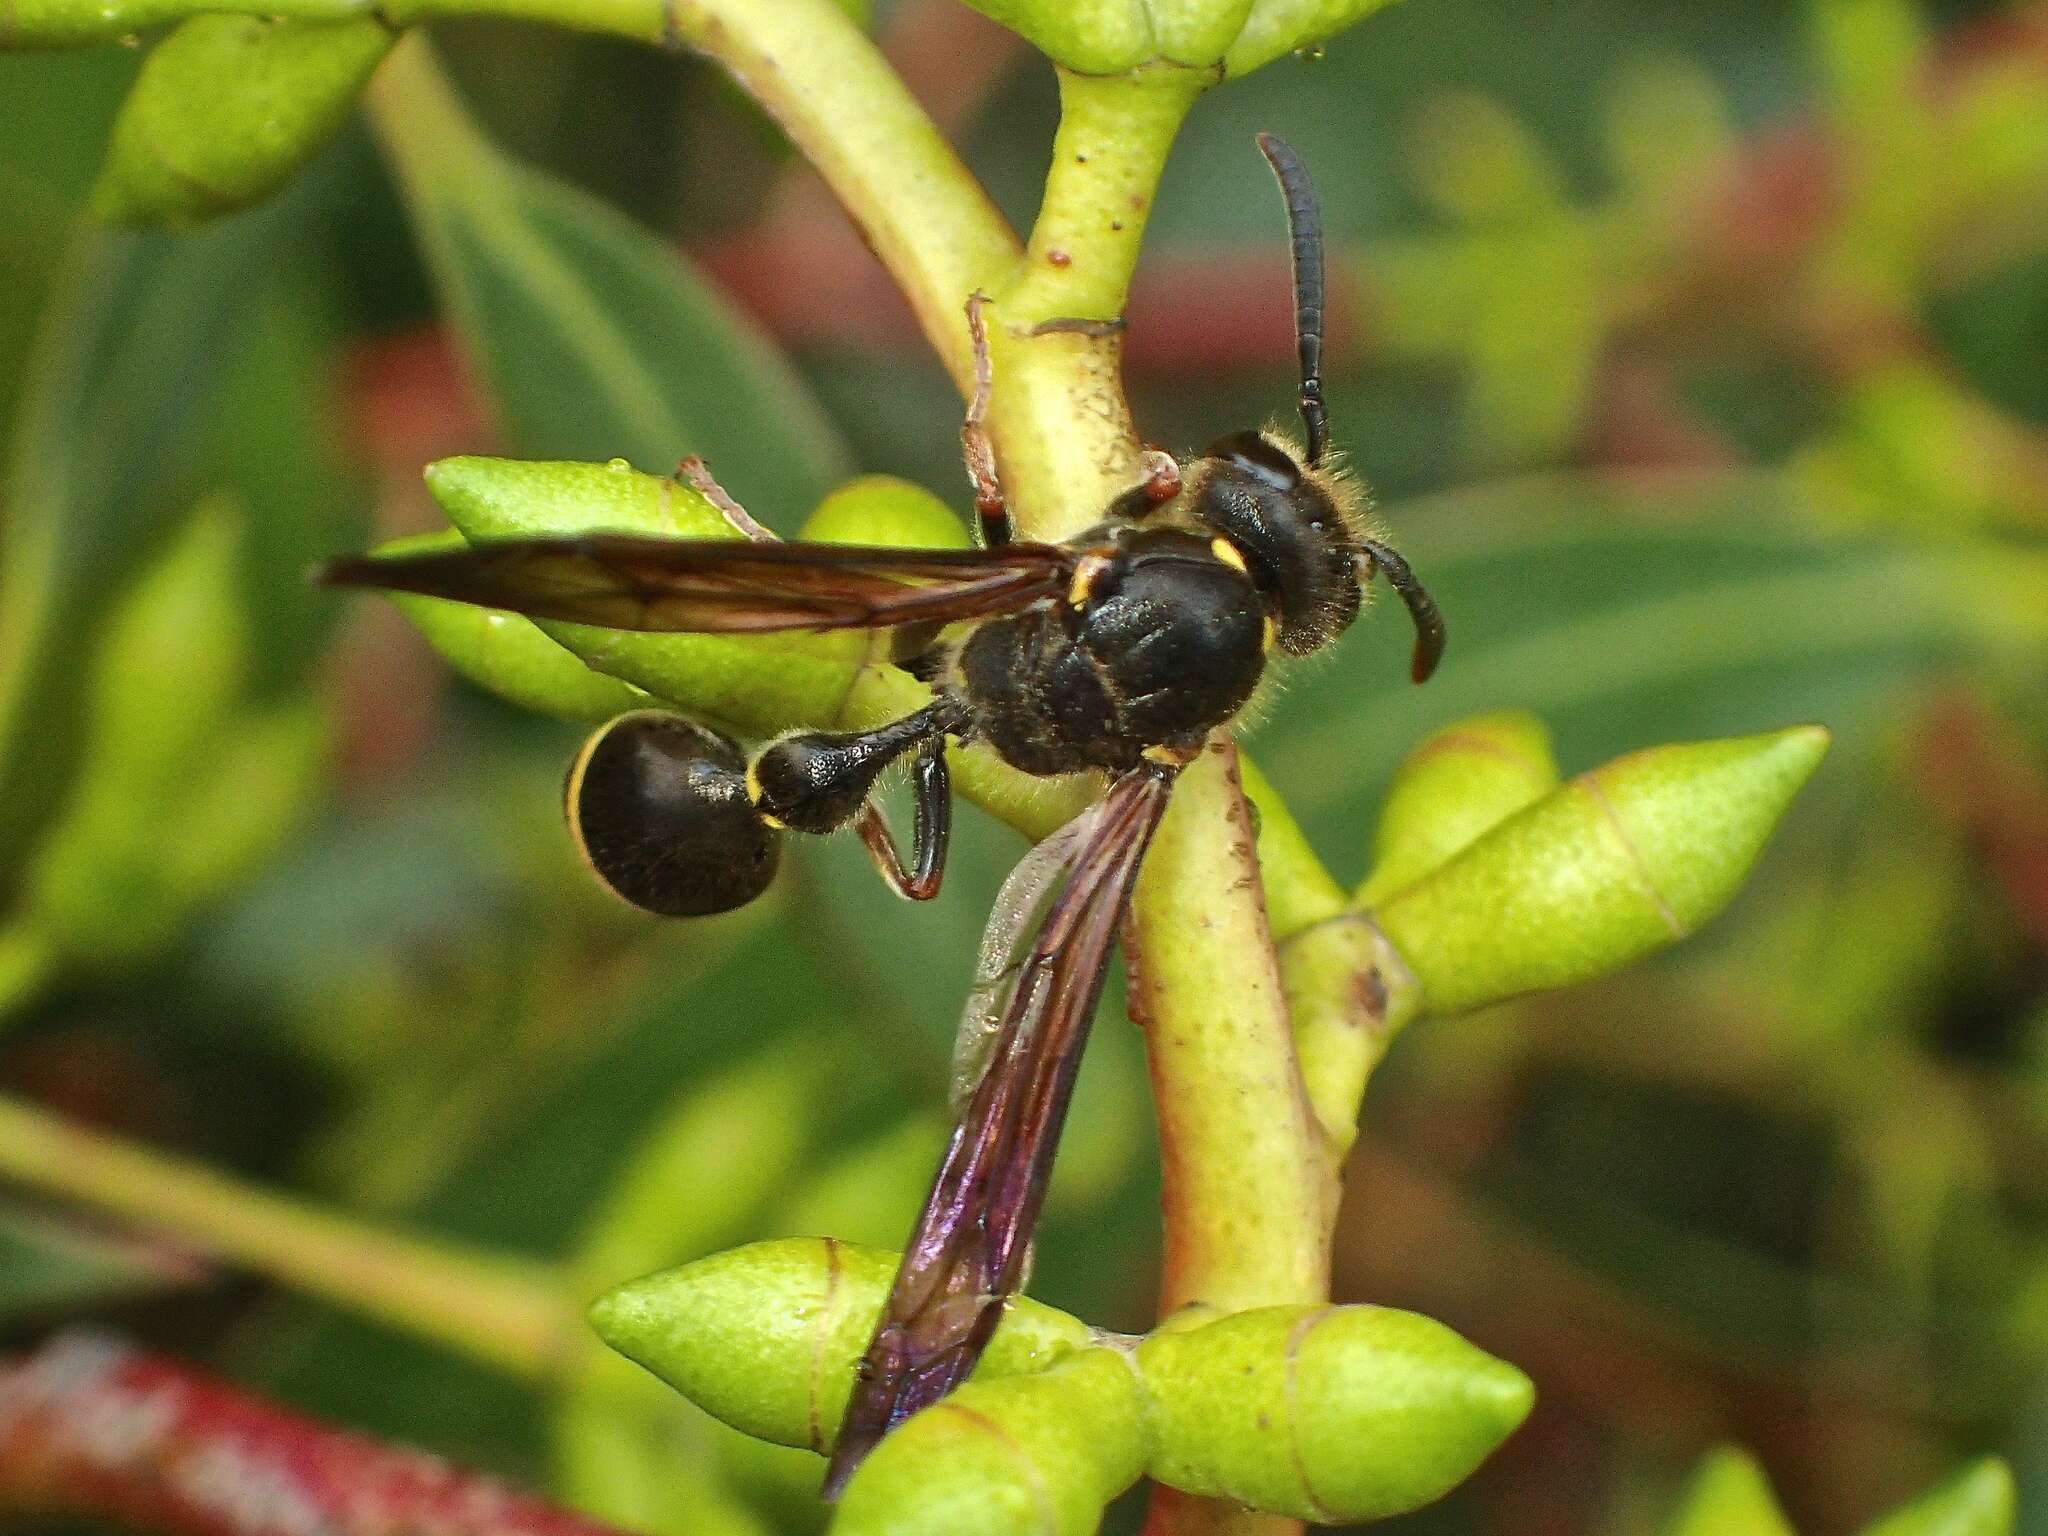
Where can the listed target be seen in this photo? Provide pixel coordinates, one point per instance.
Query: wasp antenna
(1305, 232)
(1430, 630)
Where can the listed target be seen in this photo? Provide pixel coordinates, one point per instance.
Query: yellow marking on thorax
(1088, 570)
(1228, 553)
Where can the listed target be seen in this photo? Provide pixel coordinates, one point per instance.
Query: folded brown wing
(966, 1257)
(622, 581)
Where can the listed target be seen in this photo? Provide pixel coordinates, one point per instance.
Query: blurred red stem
(92, 1429)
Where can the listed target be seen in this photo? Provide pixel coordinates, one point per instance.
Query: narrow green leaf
(180, 788)
(731, 1143)
(593, 338)
(1622, 614)
(134, 350)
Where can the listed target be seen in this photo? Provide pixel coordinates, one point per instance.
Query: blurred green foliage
(1696, 350)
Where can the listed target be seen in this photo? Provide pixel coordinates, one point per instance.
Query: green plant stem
(517, 1317)
(1245, 1186)
(1246, 1189)
(1063, 431)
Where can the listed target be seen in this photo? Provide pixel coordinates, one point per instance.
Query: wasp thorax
(1288, 524)
(658, 806)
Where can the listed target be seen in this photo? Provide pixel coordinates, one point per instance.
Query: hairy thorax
(1160, 642)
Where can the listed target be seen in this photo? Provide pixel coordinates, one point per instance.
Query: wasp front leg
(696, 474)
(990, 506)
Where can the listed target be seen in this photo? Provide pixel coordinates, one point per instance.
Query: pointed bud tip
(1499, 1395)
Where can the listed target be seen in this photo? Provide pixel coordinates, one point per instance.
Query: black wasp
(1119, 650)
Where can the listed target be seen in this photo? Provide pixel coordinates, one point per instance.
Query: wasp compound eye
(658, 807)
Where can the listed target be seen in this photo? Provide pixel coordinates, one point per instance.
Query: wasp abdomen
(658, 806)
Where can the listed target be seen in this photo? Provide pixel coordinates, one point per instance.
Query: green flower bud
(1619, 862)
(1330, 1414)
(1275, 28)
(765, 1337)
(1978, 1501)
(1464, 780)
(1039, 1455)
(757, 683)
(227, 108)
(507, 654)
(880, 509)
(1110, 37)
(1729, 1496)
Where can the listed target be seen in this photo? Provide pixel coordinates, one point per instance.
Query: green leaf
(180, 789)
(593, 338)
(732, 1142)
(135, 349)
(227, 108)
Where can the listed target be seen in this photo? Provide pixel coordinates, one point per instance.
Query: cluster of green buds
(1326, 1413)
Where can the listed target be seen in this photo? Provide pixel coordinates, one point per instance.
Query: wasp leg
(817, 781)
(1160, 485)
(933, 792)
(694, 472)
(989, 504)
(1430, 632)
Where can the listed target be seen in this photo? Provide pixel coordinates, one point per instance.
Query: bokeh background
(1698, 353)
